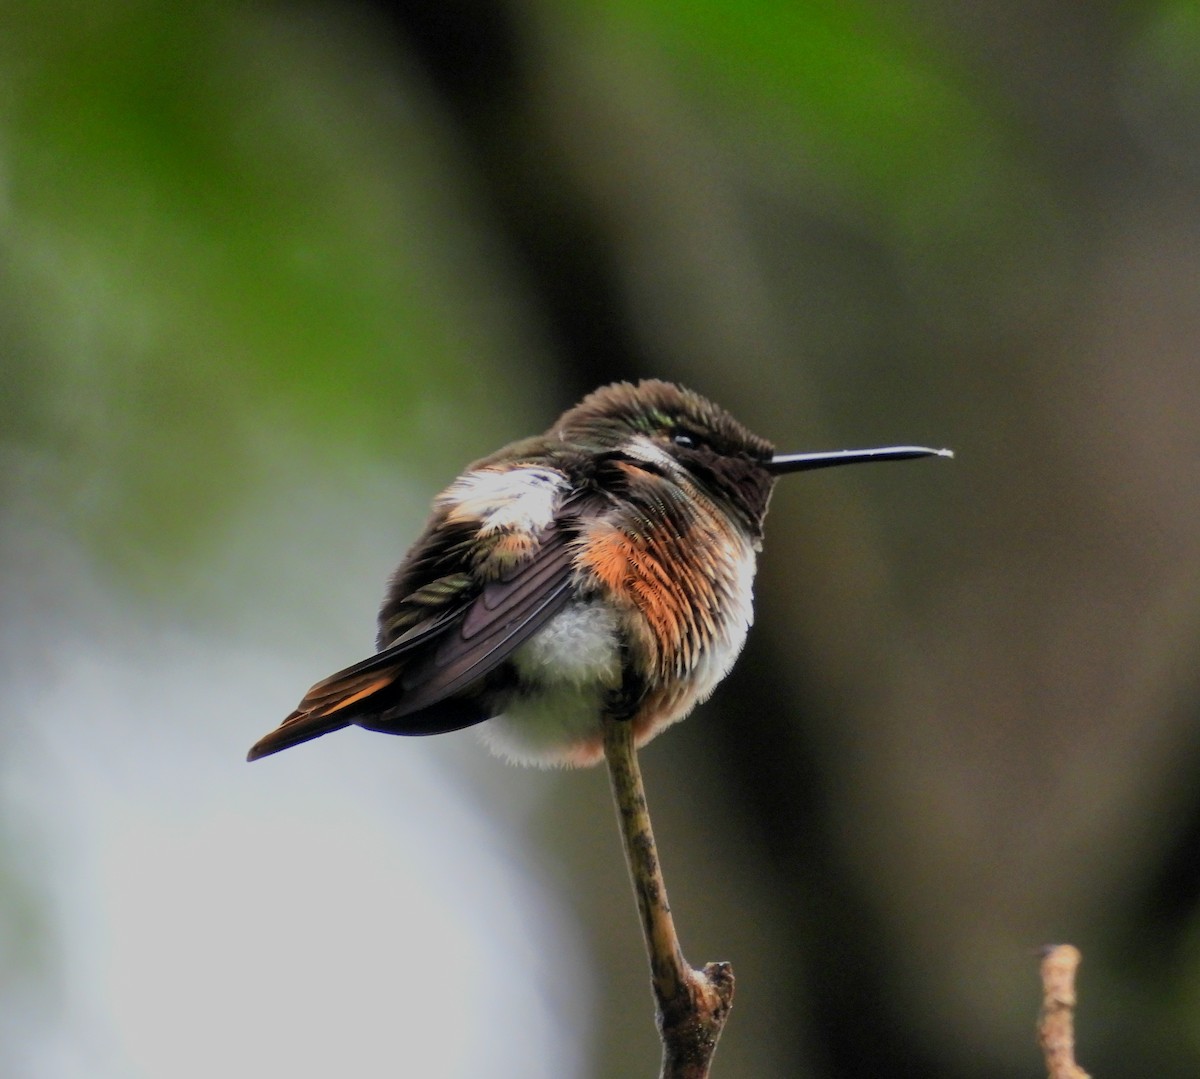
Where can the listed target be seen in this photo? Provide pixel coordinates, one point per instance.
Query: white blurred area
(351, 907)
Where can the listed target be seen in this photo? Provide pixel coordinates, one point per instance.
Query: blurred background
(271, 274)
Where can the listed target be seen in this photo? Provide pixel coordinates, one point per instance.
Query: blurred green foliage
(218, 230)
(850, 84)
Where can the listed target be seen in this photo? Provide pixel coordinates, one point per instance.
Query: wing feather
(505, 615)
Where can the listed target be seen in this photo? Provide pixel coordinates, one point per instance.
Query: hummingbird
(603, 569)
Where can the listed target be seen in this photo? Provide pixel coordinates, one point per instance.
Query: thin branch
(692, 1005)
(1056, 1023)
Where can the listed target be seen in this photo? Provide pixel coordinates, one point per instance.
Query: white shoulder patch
(517, 498)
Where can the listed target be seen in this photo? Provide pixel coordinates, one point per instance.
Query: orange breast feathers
(674, 582)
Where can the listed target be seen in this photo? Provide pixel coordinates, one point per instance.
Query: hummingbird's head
(671, 430)
(668, 415)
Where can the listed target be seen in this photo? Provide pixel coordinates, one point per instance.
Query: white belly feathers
(567, 670)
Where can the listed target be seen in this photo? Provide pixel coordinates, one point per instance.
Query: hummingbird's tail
(327, 707)
(297, 728)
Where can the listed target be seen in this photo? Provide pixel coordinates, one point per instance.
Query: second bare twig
(1056, 1023)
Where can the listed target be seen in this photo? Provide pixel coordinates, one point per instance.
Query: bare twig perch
(692, 1004)
(1056, 1023)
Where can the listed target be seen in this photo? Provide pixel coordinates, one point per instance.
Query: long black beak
(803, 462)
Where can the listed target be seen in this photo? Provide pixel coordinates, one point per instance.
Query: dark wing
(416, 684)
(502, 618)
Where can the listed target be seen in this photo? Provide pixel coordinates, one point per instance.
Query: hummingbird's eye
(682, 438)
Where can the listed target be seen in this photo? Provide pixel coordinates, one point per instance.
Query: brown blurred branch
(692, 1005)
(1056, 1023)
